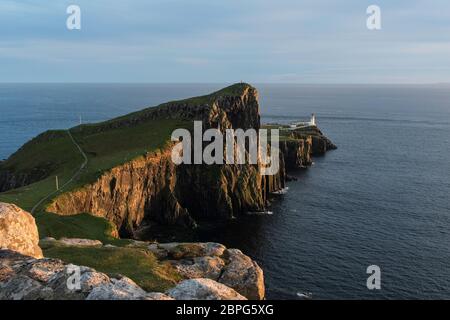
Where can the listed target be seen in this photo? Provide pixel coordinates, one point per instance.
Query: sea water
(381, 198)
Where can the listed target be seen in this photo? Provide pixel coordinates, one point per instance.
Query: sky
(200, 41)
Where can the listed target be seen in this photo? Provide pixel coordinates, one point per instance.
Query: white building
(312, 122)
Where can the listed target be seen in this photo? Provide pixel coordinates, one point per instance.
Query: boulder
(201, 267)
(157, 296)
(203, 289)
(214, 261)
(191, 250)
(117, 289)
(243, 275)
(18, 231)
(75, 242)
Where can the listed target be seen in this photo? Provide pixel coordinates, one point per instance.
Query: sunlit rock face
(18, 231)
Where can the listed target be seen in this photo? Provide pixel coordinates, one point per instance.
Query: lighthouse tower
(313, 120)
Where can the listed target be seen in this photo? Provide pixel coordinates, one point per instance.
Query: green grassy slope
(56, 155)
(84, 226)
(50, 154)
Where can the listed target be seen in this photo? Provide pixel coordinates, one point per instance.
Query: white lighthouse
(312, 122)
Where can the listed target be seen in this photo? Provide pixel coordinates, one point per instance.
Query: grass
(138, 264)
(84, 226)
(48, 155)
(291, 135)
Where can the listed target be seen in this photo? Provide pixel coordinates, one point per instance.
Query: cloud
(203, 40)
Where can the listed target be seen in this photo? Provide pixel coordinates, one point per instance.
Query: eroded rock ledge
(214, 261)
(26, 278)
(210, 272)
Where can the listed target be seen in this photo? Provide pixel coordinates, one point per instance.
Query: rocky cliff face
(297, 153)
(143, 188)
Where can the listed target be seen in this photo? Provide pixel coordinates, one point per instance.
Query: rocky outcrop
(123, 289)
(18, 231)
(243, 274)
(203, 289)
(26, 278)
(191, 260)
(214, 261)
(80, 242)
(320, 144)
(211, 272)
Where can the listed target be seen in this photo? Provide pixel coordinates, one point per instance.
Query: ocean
(381, 198)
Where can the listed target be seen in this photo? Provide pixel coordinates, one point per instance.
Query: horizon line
(227, 83)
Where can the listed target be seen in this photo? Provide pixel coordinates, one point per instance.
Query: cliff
(152, 188)
(131, 183)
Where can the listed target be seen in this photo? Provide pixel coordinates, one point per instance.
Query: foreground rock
(214, 261)
(123, 289)
(243, 274)
(26, 278)
(75, 242)
(18, 231)
(203, 289)
(211, 270)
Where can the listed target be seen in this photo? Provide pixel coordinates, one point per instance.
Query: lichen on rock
(203, 289)
(18, 231)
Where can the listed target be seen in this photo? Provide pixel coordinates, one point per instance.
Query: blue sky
(258, 41)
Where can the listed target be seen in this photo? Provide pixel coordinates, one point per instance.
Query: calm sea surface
(381, 199)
